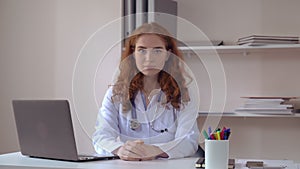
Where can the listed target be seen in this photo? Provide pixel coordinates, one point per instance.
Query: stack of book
(257, 40)
(267, 105)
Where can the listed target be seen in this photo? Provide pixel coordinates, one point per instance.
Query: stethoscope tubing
(135, 124)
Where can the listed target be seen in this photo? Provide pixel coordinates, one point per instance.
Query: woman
(149, 112)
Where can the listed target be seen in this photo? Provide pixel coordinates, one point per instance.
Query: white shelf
(242, 48)
(233, 114)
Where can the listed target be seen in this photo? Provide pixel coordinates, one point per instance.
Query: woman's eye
(142, 51)
(157, 51)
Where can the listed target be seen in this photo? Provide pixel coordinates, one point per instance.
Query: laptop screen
(45, 129)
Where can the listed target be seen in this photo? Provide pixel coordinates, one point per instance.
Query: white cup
(216, 154)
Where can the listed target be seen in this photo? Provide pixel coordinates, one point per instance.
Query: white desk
(16, 160)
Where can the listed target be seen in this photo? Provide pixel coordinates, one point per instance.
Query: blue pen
(209, 130)
(226, 134)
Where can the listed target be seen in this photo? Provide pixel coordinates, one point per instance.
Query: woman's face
(150, 54)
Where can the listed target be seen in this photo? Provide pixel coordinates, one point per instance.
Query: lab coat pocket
(166, 124)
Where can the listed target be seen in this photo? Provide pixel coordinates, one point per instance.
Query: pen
(227, 133)
(205, 135)
(212, 137)
(215, 136)
(222, 133)
(218, 135)
(209, 130)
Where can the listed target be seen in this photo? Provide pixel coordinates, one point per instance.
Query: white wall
(231, 19)
(27, 59)
(40, 42)
(79, 24)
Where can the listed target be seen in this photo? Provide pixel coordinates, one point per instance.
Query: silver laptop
(45, 130)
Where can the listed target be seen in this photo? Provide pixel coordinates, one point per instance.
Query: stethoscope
(135, 124)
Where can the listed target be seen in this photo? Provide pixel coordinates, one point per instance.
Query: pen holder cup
(216, 154)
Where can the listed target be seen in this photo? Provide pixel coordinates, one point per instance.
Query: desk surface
(16, 160)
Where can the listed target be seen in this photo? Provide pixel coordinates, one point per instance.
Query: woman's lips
(149, 67)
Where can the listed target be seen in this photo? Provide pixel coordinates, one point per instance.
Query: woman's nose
(148, 55)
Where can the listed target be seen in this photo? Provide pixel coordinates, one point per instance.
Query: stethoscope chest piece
(134, 124)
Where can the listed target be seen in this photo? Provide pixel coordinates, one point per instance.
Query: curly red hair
(171, 78)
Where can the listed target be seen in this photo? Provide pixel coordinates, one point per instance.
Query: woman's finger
(135, 148)
(124, 153)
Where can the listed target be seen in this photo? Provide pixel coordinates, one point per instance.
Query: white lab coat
(113, 126)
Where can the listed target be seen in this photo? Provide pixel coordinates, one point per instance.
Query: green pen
(205, 135)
